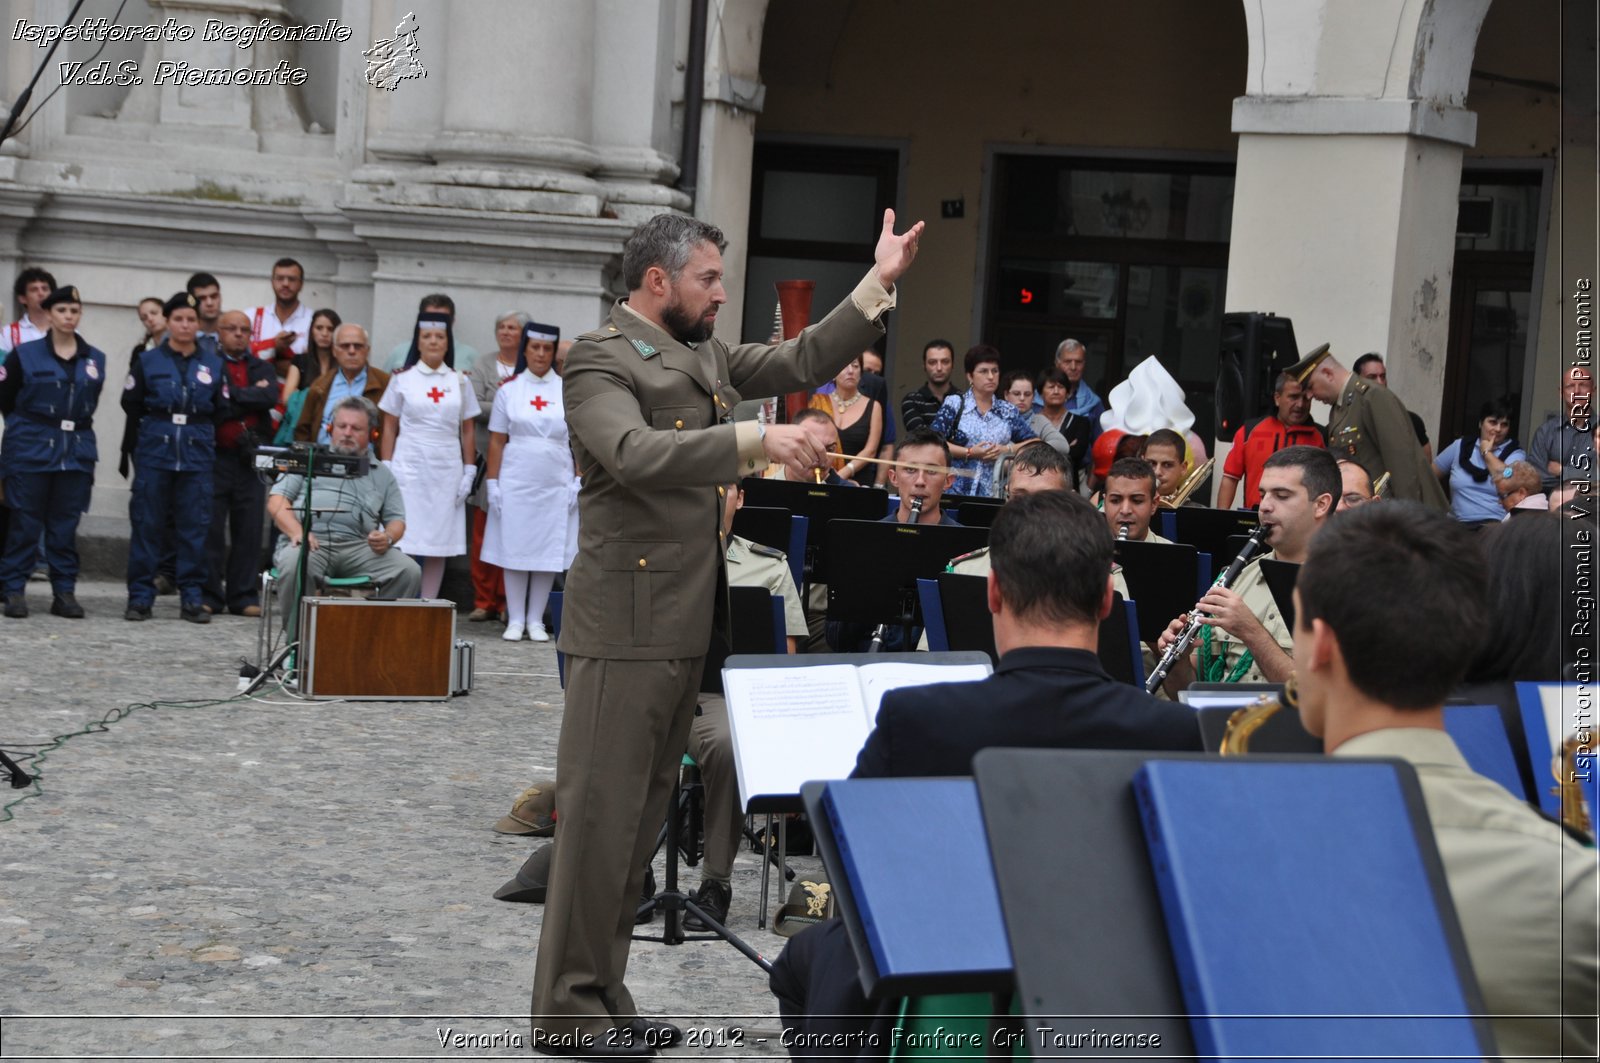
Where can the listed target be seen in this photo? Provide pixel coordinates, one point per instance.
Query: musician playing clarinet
(1243, 637)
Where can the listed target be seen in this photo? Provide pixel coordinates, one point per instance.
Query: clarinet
(1122, 532)
(876, 645)
(1251, 548)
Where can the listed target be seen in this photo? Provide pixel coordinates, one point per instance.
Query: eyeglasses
(350, 346)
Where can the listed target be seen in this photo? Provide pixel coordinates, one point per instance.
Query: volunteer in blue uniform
(49, 389)
(174, 390)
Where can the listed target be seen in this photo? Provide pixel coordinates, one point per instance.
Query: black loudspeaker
(1255, 348)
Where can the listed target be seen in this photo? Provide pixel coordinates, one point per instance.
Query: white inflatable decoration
(1150, 400)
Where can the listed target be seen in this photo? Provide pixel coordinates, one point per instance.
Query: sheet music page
(792, 725)
(877, 679)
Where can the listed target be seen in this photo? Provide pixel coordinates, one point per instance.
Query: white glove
(495, 495)
(464, 488)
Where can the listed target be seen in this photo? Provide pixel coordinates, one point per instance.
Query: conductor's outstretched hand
(894, 253)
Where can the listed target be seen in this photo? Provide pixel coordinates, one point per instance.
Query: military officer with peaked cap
(1370, 426)
(649, 398)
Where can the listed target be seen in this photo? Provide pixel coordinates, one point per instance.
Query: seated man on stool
(1388, 608)
(1049, 588)
(354, 524)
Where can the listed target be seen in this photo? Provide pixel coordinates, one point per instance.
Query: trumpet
(1378, 488)
(1252, 546)
(1190, 484)
(1247, 721)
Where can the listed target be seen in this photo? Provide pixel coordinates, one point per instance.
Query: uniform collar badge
(644, 349)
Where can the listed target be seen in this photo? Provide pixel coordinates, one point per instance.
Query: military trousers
(52, 502)
(397, 575)
(161, 496)
(711, 745)
(623, 735)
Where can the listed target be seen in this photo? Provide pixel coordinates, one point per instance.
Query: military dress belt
(64, 425)
(180, 418)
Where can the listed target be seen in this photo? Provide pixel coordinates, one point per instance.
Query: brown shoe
(250, 610)
(478, 616)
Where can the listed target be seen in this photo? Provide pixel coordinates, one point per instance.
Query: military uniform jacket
(50, 413)
(754, 565)
(652, 431)
(1370, 426)
(1214, 642)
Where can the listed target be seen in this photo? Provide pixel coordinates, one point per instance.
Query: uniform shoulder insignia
(969, 556)
(767, 551)
(604, 332)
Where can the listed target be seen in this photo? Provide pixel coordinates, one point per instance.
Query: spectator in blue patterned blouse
(979, 428)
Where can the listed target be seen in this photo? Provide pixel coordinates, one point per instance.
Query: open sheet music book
(792, 724)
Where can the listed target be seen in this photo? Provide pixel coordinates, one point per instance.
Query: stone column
(1350, 145)
(228, 116)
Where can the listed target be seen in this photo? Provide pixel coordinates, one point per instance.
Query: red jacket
(1258, 440)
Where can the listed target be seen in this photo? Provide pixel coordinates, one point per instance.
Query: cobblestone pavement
(276, 877)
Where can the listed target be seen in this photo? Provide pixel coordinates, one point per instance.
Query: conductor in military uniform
(1370, 426)
(649, 399)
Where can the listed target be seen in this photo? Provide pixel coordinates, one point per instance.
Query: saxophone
(1250, 719)
(1574, 810)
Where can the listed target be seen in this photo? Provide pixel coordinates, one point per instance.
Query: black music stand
(874, 567)
(1088, 937)
(820, 504)
(977, 512)
(1162, 579)
(766, 525)
(1209, 531)
(967, 623)
(1280, 577)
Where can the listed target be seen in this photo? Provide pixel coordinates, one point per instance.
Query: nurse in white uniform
(428, 442)
(532, 531)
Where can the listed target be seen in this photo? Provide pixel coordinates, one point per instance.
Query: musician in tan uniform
(1370, 426)
(1245, 638)
(1130, 498)
(649, 398)
(1385, 610)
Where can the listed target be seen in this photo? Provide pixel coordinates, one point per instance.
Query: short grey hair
(366, 337)
(1069, 345)
(513, 315)
(666, 240)
(356, 402)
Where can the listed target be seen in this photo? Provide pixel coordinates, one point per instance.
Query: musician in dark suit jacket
(1049, 589)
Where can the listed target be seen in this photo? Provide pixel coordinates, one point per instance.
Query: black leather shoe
(195, 614)
(621, 1043)
(66, 605)
(137, 612)
(647, 893)
(17, 606)
(712, 898)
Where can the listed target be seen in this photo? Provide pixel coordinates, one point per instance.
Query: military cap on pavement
(533, 812)
(1301, 371)
(64, 294)
(532, 880)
